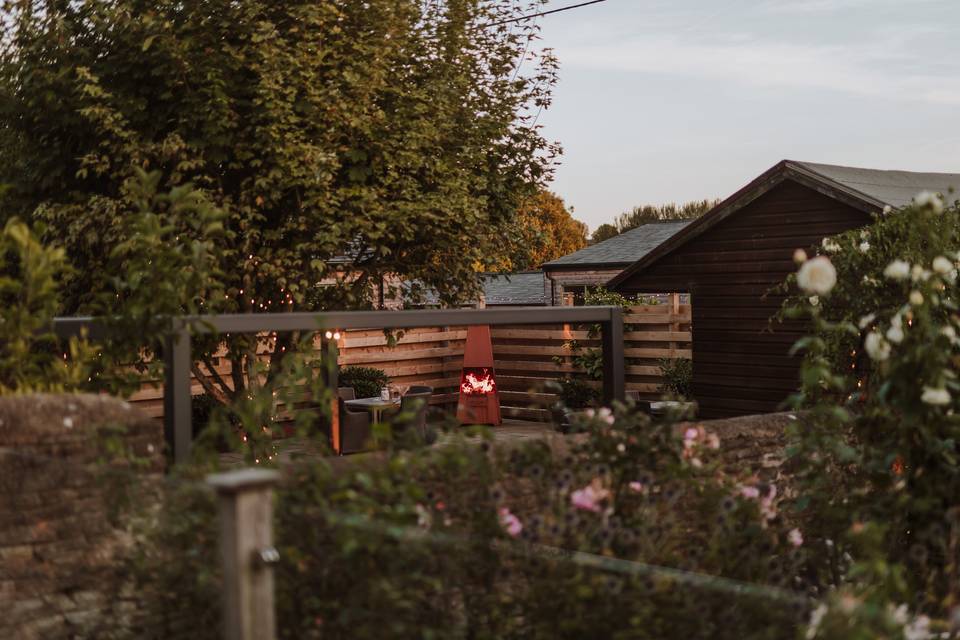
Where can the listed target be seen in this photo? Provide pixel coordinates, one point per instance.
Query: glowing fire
(478, 384)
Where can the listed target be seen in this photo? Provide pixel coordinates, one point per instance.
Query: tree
(652, 213)
(544, 231)
(604, 232)
(393, 131)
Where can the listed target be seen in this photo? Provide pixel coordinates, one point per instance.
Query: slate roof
(620, 250)
(524, 288)
(894, 188)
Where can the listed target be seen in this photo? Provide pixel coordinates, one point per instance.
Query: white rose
(866, 320)
(918, 274)
(877, 348)
(916, 298)
(929, 200)
(937, 397)
(897, 270)
(799, 256)
(817, 276)
(864, 246)
(887, 210)
(942, 266)
(830, 245)
(814, 300)
(895, 334)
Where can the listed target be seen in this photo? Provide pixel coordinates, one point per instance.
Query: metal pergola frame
(178, 429)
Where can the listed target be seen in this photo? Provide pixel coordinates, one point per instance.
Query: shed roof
(622, 249)
(894, 188)
(523, 288)
(866, 189)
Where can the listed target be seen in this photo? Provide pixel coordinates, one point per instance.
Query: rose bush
(877, 444)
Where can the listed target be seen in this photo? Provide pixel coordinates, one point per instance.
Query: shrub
(477, 541)
(366, 381)
(577, 394)
(677, 377)
(879, 382)
(31, 357)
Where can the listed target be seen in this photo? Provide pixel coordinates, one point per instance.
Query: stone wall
(56, 540)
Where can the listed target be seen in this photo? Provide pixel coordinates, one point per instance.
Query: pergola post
(614, 386)
(177, 418)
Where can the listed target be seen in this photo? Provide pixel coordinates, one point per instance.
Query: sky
(674, 100)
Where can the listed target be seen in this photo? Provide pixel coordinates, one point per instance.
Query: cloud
(830, 6)
(874, 69)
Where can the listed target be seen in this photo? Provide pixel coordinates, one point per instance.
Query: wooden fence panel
(526, 359)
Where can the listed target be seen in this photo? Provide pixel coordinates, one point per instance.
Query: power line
(543, 13)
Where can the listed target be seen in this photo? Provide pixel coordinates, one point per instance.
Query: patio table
(374, 405)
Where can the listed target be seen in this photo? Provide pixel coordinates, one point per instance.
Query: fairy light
(336, 335)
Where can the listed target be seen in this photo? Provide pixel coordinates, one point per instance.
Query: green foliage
(877, 443)
(470, 540)
(601, 296)
(677, 376)
(31, 357)
(291, 398)
(590, 360)
(577, 394)
(318, 128)
(366, 381)
(308, 131)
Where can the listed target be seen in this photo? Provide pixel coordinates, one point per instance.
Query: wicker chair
(347, 393)
(419, 388)
(413, 410)
(355, 431)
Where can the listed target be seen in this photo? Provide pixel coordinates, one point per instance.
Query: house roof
(866, 189)
(524, 288)
(620, 250)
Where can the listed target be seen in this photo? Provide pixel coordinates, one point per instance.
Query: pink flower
(636, 487)
(606, 415)
(750, 493)
(589, 497)
(510, 523)
(795, 537)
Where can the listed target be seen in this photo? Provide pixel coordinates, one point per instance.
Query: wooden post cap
(242, 480)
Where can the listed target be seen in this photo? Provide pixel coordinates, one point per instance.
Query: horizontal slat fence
(430, 356)
(524, 358)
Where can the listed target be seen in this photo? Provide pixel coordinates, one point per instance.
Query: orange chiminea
(479, 401)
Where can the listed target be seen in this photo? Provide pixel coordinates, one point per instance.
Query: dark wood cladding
(741, 361)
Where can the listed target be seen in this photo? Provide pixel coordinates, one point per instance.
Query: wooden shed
(730, 259)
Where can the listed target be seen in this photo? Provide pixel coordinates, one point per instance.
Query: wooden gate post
(247, 552)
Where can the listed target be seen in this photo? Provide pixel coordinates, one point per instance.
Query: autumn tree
(393, 133)
(544, 230)
(652, 213)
